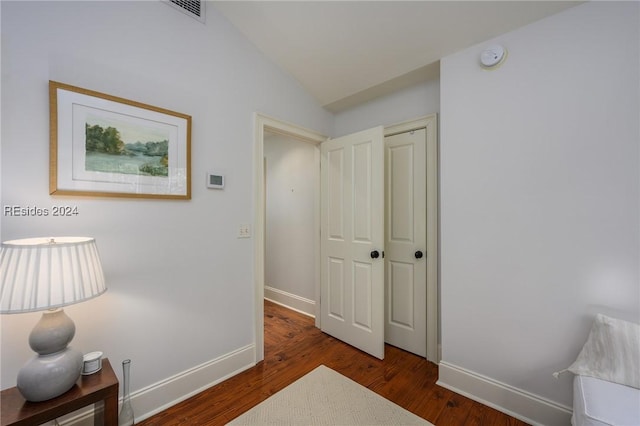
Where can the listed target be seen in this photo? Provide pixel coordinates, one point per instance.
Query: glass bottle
(126, 412)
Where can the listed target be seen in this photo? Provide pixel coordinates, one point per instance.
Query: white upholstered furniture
(598, 402)
(606, 386)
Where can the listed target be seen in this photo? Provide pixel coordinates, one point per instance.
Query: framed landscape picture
(102, 145)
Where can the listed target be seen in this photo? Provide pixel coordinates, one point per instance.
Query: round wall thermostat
(492, 56)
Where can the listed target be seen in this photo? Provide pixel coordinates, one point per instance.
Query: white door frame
(264, 123)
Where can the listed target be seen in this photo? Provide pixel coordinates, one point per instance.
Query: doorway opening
(266, 125)
(291, 222)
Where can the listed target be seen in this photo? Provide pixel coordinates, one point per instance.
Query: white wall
(291, 216)
(539, 167)
(412, 102)
(181, 284)
(540, 195)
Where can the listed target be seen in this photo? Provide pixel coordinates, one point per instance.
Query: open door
(352, 239)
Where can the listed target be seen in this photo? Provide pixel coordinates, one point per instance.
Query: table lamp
(45, 274)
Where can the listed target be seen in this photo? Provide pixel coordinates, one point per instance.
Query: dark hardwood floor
(294, 347)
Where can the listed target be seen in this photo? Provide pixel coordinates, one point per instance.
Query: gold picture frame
(103, 145)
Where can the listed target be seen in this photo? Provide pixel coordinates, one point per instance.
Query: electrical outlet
(244, 231)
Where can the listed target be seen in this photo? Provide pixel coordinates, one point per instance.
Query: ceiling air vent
(193, 8)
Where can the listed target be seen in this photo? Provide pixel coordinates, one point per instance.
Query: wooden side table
(100, 388)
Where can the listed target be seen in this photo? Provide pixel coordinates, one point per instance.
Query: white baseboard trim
(168, 392)
(291, 301)
(515, 402)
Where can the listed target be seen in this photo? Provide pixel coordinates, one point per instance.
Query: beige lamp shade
(46, 273)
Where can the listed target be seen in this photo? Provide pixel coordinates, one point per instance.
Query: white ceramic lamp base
(57, 367)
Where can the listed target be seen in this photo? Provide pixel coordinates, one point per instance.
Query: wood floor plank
(294, 347)
(483, 415)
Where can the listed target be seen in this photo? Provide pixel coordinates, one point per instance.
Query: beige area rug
(325, 397)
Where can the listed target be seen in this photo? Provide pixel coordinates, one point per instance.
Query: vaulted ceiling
(348, 52)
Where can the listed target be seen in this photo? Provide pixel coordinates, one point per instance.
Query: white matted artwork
(102, 145)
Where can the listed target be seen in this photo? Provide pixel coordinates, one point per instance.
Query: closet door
(406, 241)
(352, 238)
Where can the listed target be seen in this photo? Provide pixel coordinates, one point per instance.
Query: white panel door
(352, 238)
(406, 241)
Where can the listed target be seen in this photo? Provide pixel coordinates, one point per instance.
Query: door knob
(375, 254)
(418, 254)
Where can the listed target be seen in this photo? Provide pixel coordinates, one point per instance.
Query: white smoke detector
(493, 56)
